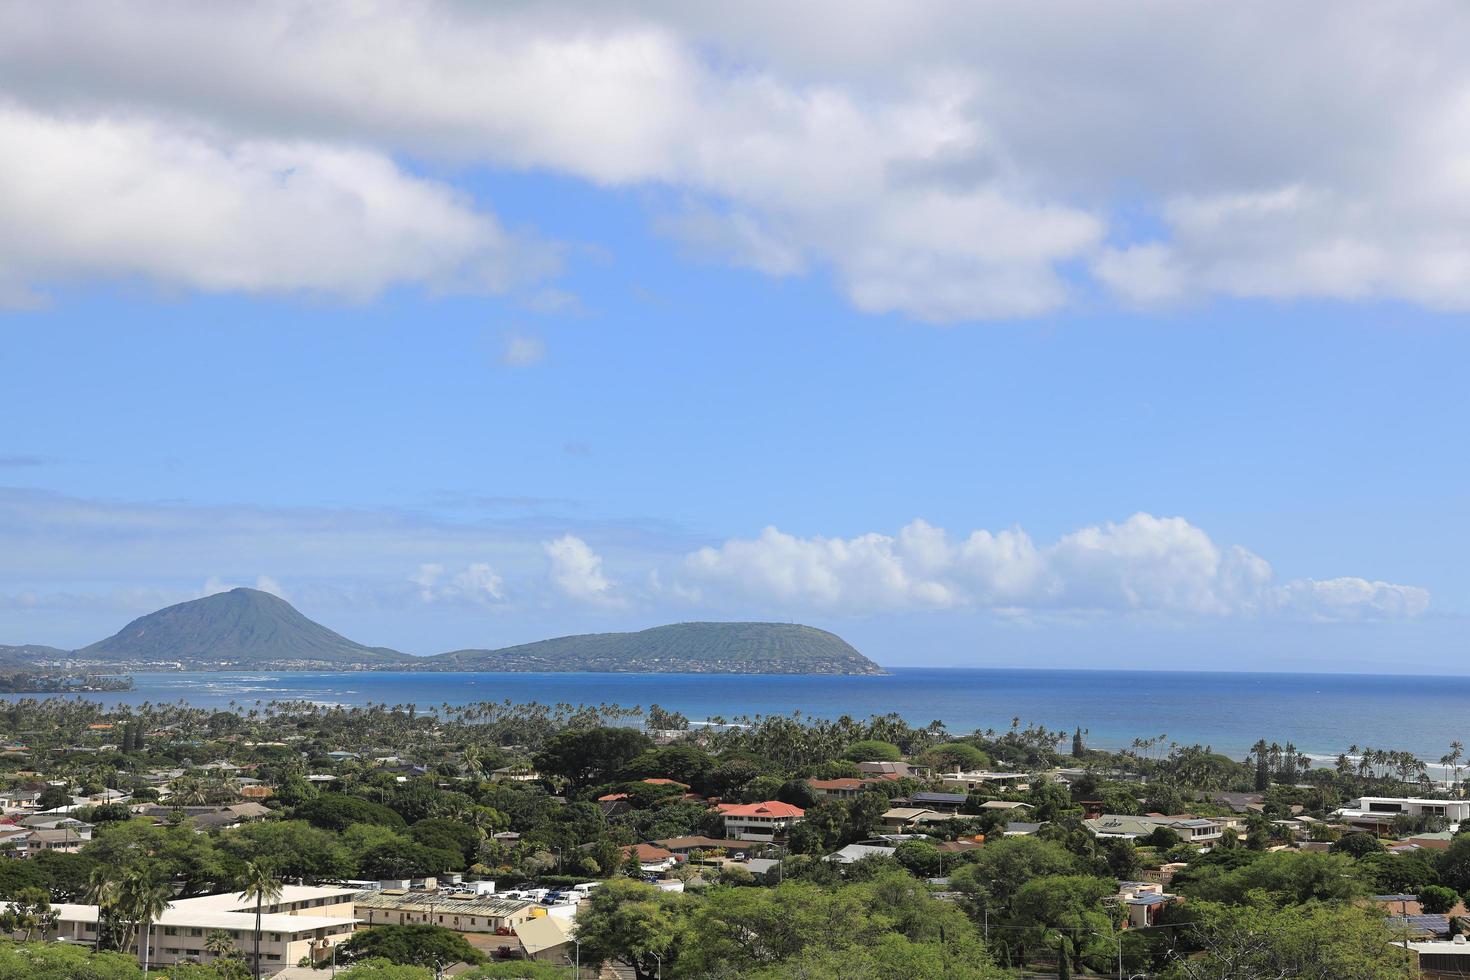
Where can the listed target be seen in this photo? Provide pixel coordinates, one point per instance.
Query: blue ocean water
(1322, 714)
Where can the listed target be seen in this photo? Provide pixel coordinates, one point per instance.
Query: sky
(993, 334)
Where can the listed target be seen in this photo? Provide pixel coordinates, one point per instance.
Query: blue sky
(446, 384)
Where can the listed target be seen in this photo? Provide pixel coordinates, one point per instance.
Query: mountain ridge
(250, 629)
(725, 648)
(241, 625)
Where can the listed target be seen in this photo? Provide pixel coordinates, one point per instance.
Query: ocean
(1322, 714)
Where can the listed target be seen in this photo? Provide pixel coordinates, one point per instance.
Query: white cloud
(1144, 564)
(476, 583)
(900, 184)
(946, 161)
(576, 570)
(119, 196)
(522, 350)
(267, 584)
(215, 585)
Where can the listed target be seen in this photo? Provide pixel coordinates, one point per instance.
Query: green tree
(448, 835)
(219, 944)
(29, 913)
(1078, 751)
(920, 858)
(141, 898)
(1453, 864)
(872, 750)
(627, 922)
(382, 969)
(1122, 858)
(52, 797)
(337, 811)
(60, 961)
(1282, 877)
(412, 945)
(1437, 899)
(259, 884)
(296, 849)
(1357, 844)
(956, 755)
(998, 870)
(586, 757)
(1315, 942)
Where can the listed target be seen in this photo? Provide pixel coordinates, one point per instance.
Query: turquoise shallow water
(1322, 713)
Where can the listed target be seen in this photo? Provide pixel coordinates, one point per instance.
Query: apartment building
(303, 922)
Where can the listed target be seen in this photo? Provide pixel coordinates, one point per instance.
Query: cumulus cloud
(1143, 564)
(128, 197)
(265, 583)
(946, 162)
(576, 570)
(477, 583)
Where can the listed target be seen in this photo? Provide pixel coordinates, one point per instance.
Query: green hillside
(715, 648)
(239, 628)
(28, 654)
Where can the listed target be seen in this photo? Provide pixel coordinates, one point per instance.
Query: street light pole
(660, 964)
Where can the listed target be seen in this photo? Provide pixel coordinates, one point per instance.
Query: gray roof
(856, 852)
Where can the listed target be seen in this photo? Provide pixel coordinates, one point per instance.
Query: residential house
(1020, 828)
(846, 788)
(968, 782)
(651, 858)
(940, 802)
(1191, 830)
(1240, 802)
(1377, 813)
(684, 846)
(903, 818)
(1005, 805)
(1143, 901)
(765, 821)
(894, 770)
(514, 774)
(853, 853)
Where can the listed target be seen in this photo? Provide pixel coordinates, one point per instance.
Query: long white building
(1378, 812)
(303, 922)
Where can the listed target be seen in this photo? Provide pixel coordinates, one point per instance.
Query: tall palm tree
(143, 899)
(260, 884)
(102, 892)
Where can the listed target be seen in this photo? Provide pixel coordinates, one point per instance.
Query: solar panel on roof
(1435, 924)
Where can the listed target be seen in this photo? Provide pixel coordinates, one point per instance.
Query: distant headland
(247, 629)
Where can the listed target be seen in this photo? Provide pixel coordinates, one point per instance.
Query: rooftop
(460, 903)
(769, 808)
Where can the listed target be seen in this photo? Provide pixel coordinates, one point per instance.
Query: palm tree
(219, 944)
(143, 899)
(260, 883)
(187, 791)
(102, 892)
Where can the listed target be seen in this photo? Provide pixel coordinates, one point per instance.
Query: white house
(1378, 812)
